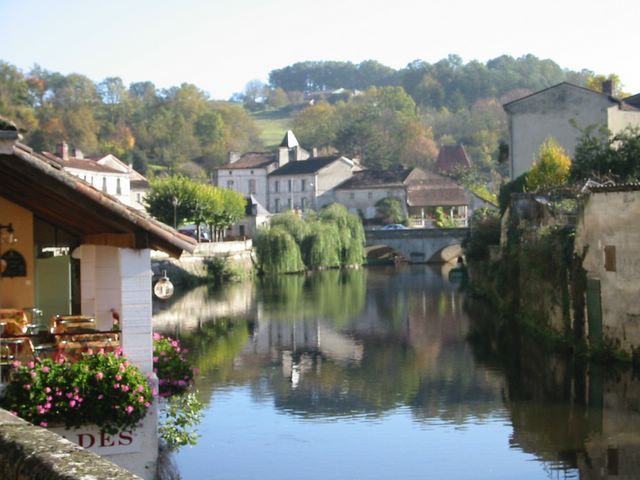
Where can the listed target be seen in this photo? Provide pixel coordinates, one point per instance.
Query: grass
(273, 125)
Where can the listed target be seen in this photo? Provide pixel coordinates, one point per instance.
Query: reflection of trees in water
(336, 295)
(567, 412)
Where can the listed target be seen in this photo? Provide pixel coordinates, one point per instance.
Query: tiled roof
(302, 167)
(375, 178)
(617, 187)
(452, 157)
(251, 160)
(435, 191)
(81, 164)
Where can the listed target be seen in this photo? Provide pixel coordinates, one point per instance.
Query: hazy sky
(221, 45)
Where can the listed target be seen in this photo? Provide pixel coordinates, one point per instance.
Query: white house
(560, 112)
(247, 173)
(307, 184)
(107, 173)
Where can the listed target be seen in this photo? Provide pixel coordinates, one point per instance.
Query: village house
(451, 159)
(256, 215)
(69, 249)
(561, 112)
(420, 193)
(606, 234)
(308, 184)
(247, 173)
(105, 172)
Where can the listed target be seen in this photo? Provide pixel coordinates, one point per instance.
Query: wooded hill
(382, 115)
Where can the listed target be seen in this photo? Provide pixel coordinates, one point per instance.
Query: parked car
(394, 226)
(191, 232)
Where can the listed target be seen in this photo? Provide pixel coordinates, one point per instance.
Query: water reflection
(566, 411)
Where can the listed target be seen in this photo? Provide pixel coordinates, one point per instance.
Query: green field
(273, 124)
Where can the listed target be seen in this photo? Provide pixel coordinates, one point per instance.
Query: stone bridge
(421, 245)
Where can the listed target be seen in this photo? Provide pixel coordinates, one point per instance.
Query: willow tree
(277, 252)
(350, 231)
(322, 246)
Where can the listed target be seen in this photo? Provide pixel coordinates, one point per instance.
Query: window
(229, 183)
(352, 195)
(104, 184)
(370, 195)
(230, 172)
(277, 186)
(610, 258)
(118, 187)
(303, 185)
(138, 197)
(277, 205)
(289, 203)
(252, 186)
(303, 203)
(290, 185)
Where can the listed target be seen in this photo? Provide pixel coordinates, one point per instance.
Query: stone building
(560, 112)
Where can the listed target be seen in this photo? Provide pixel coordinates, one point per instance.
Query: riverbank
(210, 263)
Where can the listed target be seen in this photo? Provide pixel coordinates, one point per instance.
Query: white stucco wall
(241, 178)
(610, 219)
(364, 200)
(284, 196)
(550, 114)
(97, 178)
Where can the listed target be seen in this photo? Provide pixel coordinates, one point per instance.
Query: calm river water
(381, 373)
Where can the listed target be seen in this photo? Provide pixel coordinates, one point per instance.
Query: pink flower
(31, 364)
(45, 369)
(147, 404)
(99, 375)
(100, 397)
(17, 363)
(140, 399)
(116, 386)
(174, 343)
(69, 395)
(44, 424)
(27, 386)
(140, 388)
(125, 388)
(72, 403)
(47, 389)
(118, 377)
(155, 359)
(129, 409)
(157, 336)
(33, 374)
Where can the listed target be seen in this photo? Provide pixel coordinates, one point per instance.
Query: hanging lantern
(163, 288)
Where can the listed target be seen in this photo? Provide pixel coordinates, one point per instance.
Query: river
(388, 373)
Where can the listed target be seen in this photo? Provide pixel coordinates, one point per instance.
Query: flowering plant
(102, 389)
(173, 370)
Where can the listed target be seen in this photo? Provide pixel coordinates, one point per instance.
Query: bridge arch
(421, 245)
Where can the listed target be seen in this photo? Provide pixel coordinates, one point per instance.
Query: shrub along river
(388, 373)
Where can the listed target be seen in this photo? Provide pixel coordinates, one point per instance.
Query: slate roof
(628, 104)
(435, 191)
(302, 167)
(452, 157)
(251, 160)
(289, 140)
(365, 179)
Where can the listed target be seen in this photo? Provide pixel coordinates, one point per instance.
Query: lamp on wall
(163, 288)
(9, 237)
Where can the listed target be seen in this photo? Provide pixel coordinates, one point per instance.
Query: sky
(220, 45)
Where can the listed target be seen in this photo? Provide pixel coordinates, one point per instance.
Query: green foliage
(485, 232)
(102, 389)
(196, 202)
(389, 210)
(443, 220)
(221, 270)
(277, 251)
(317, 125)
(170, 365)
(181, 415)
(604, 156)
(517, 185)
(550, 169)
(332, 238)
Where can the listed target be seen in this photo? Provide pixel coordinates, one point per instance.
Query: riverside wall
(28, 452)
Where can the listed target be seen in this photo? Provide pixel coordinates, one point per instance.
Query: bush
(104, 389)
(278, 252)
(174, 373)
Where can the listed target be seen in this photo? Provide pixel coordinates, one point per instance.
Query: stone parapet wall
(28, 452)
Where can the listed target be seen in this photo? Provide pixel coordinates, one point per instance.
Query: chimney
(607, 87)
(76, 152)
(283, 156)
(234, 157)
(62, 150)
(314, 152)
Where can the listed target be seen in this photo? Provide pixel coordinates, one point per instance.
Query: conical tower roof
(289, 140)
